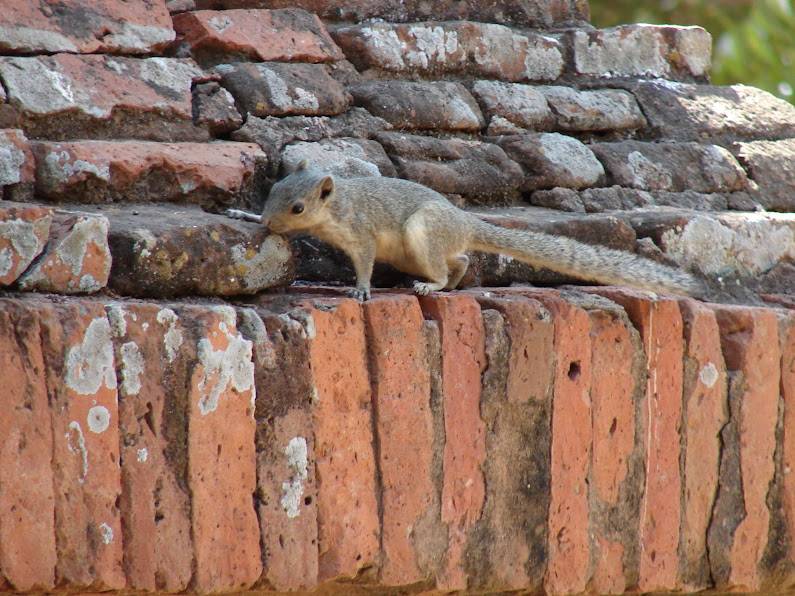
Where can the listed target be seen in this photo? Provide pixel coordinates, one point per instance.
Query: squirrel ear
(302, 166)
(326, 187)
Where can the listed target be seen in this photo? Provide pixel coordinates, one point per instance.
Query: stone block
(705, 412)
(24, 232)
(155, 501)
(552, 159)
(27, 503)
(671, 166)
(767, 163)
(463, 491)
(286, 35)
(399, 366)
(221, 463)
(476, 170)
(209, 174)
(161, 252)
(75, 260)
(651, 51)
(281, 89)
(432, 105)
(738, 533)
(597, 110)
(85, 27)
(214, 107)
(16, 165)
(65, 97)
(81, 382)
(343, 157)
(521, 105)
(440, 49)
(287, 500)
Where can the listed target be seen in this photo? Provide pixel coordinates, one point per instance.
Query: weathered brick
(660, 325)
(463, 490)
(67, 97)
(426, 105)
(521, 105)
(787, 347)
(345, 469)
(76, 260)
(214, 107)
(664, 51)
(153, 398)
(343, 157)
(738, 532)
(767, 163)
(82, 386)
(27, 508)
(161, 252)
(280, 89)
(705, 412)
(16, 165)
(437, 48)
(286, 490)
(552, 159)
(403, 423)
(221, 466)
(597, 110)
(24, 231)
(209, 174)
(479, 171)
(287, 35)
(85, 27)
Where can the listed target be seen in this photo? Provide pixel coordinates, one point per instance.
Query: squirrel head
(298, 202)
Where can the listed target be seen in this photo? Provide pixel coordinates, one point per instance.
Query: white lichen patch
(306, 322)
(297, 460)
(281, 95)
(139, 38)
(385, 46)
(646, 174)
(106, 532)
(220, 24)
(60, 168)
(636, 50)
(11, 160)
(90, 364)
(708, 374)
(132, 367)
(172, 338)
(543, 60)
(223, 368)
(29, 39)
(432, 45)
(574, 157)
(143, 455)
(261, 268)
(98, 419)
(26, 241)
(170, 73)
(76, 443)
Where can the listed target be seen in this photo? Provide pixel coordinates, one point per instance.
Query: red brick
(142, 172)
(286, 35)
(609, 576)
(287, 490)
(24, 231)
(155, 504)
(463, 361)
(705, 413)
(404, 426)
(570, 452)
(660, 326)
(17, 176)
(787, 345)
(749, 339)
(81, 381)
(221, 450)
(85, 27)
(76, 259)
(347, 514)
(27, 509)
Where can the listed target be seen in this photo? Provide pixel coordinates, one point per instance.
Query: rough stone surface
(767, 163)
(27, 503)
(598, 110)
(214, 107)
(787, 347)
(85, 27)
(671, 166)
(24, 231)
(155, 503)
(209, 174)
(82, 386)
(520, 105)
(279, 89)
(552, 159)
(66, 97)
(407, 105)
(739, 528)
(287, 35)
(76, 260)
(473, 169)
(16, 165)
(659, 51)
(343, 157)
(161, 252)
(448, 48)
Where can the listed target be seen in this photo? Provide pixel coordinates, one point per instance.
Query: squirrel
(418, 231)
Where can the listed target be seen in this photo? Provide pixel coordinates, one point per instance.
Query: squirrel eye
(298, 208)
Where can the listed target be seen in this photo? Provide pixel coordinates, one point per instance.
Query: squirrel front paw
(421, 288)
(361, 295)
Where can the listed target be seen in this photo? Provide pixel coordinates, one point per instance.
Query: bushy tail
(584, 261)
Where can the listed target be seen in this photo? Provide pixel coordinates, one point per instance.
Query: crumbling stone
(597, 110)
(343, 157)
(16, 166)
(521, 105)
(24, 232)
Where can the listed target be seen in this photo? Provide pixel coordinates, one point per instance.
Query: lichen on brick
(231, 366)
(297, 461)
(90, 364)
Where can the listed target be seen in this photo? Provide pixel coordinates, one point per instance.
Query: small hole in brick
(613, 427)
(574, 370)
(281, 540)
(219, 450)
(307, 500)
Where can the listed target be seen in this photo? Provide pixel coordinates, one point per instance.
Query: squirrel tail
(584, 261)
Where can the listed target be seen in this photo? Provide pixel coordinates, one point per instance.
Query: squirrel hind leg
(458, 266)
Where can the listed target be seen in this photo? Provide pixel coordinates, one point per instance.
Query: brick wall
(178, 418)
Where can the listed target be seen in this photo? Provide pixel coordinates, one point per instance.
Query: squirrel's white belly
(389, 248)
